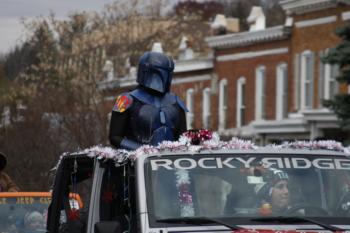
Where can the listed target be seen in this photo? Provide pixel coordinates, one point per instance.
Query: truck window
(243, 186)
(70, 216)
(116, 197)
(113, 199)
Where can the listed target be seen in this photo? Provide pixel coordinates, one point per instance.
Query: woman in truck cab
(273, 193)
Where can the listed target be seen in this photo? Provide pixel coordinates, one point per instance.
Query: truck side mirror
(108, 227)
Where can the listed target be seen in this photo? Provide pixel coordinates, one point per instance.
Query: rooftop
(246, 38)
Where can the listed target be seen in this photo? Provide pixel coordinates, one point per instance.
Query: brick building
(272, 81)
(266, 84)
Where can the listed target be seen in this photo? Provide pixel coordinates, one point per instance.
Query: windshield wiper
(198, 220)
(282, 219)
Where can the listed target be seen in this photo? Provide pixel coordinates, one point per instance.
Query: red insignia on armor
(122, 103)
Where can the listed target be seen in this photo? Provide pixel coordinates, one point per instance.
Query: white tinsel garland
(185, 197)
(214, 143)
(315, 145)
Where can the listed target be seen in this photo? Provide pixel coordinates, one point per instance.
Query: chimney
(157, 47)
(186, 51)
(232, 25)
(222, 25)
(219, 24)
(256, 19)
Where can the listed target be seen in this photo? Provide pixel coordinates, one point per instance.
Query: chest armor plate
(150, 124)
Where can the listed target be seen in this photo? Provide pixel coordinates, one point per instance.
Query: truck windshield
(248, 186)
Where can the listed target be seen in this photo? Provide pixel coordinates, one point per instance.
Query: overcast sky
(11, 12)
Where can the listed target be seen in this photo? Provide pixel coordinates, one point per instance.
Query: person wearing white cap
(6, 183)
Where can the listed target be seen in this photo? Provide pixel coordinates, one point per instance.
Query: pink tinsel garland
(198, 140)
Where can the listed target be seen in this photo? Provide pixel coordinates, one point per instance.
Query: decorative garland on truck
(185, 197)
(199, 140)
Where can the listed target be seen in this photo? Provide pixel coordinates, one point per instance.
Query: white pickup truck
(213, 186)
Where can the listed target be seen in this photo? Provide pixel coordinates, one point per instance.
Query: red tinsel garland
(198, 135)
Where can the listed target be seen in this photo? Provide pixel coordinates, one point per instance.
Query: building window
(260, 96)
(222, 104)
(190, 107)
(240, 112)
(281, 92)
(206, 108)
(331, 87)
(328, 85)
(307, 74)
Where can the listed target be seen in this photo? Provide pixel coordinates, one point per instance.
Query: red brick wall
(233, 70)
(198, 87)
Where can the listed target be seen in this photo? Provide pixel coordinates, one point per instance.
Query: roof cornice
(247, 38)
(193, 65)
(304, 6)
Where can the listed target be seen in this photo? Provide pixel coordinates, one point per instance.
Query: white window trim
(254, 54)
(304, 55)
(190, 107)
(260, 93)
(240, 82)
(206, 108)
(297, 82)
(280, 90)
(321, 78)
(345, 15)
(327, 79)
(314, 22)
(222, 105)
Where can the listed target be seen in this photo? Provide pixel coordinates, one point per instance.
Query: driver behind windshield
(273, 193)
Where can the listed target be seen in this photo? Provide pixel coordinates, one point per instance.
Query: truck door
(73, 175)
(111, 199)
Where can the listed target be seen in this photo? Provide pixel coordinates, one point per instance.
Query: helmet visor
(158, 79)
